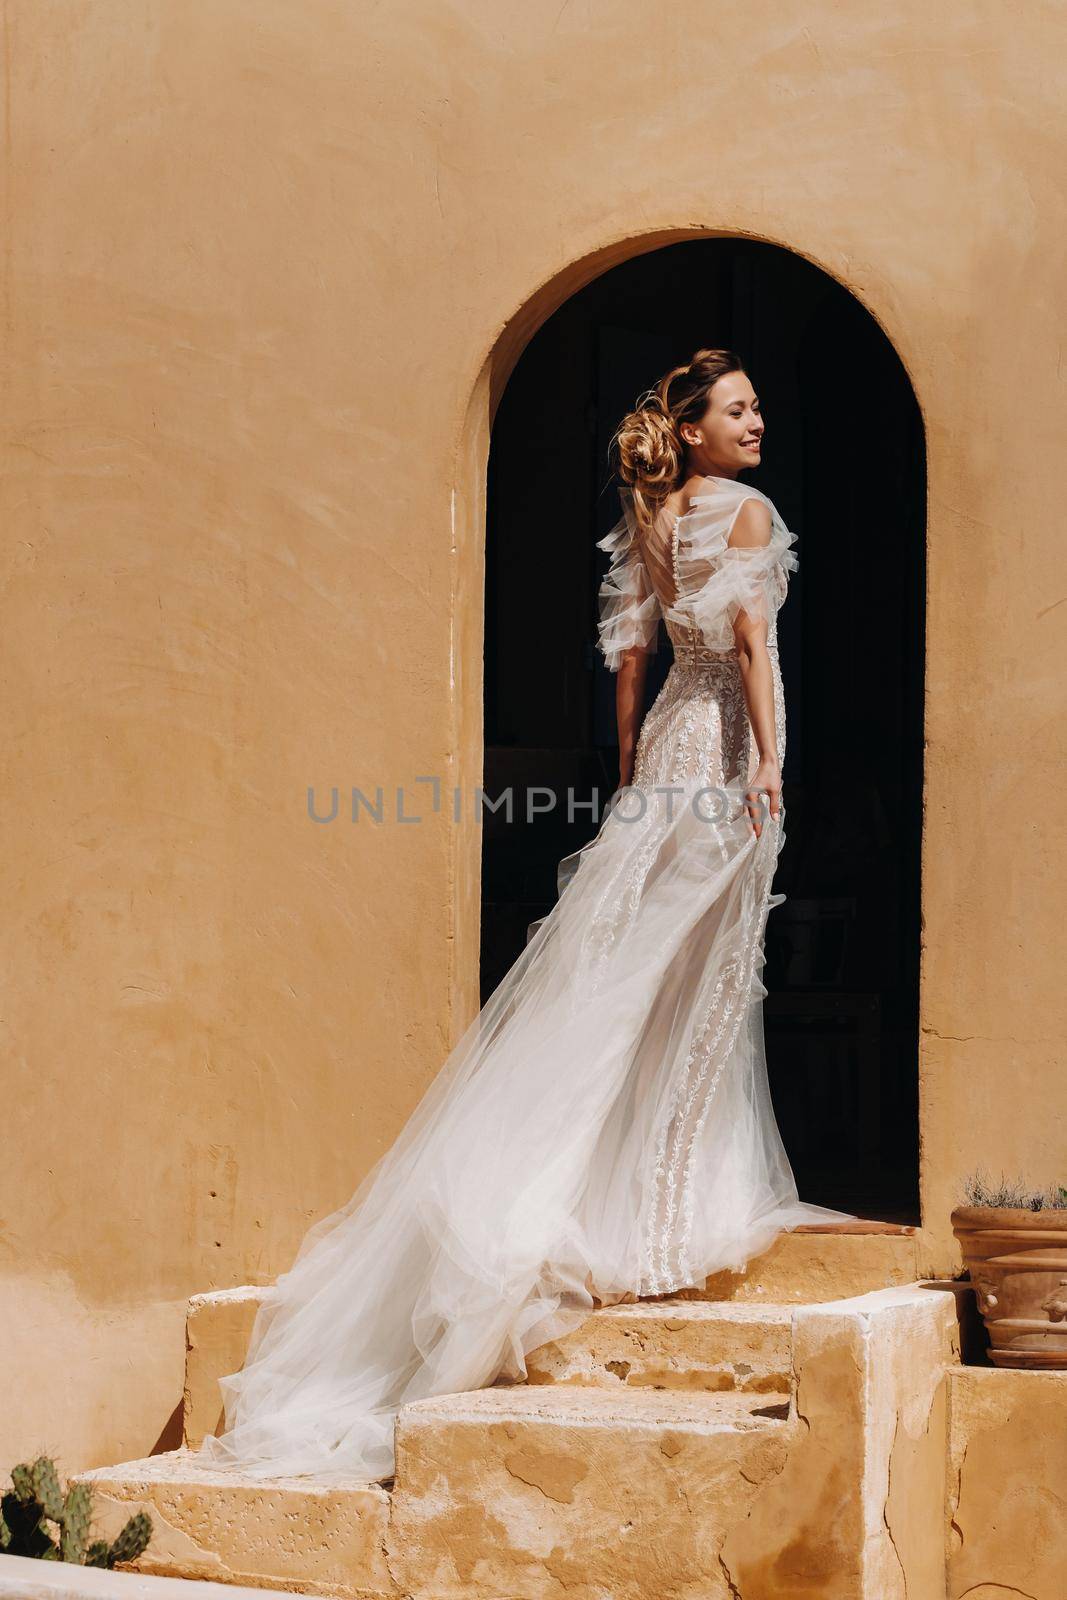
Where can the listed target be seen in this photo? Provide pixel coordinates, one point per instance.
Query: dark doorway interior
(844, 461)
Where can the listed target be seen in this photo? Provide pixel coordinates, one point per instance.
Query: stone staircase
(762, 1436)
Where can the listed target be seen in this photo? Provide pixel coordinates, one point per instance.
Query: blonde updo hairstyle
(650, 453)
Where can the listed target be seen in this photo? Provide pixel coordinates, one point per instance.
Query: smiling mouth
(753, 445)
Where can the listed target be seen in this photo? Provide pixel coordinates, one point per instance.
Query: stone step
(527, 1491)
(821, 1262)
(626, 1466)
(297, 1534)
(810, 1265)
(218, 1326)
(730, 1347)
(524, 1491)
(27, 1578)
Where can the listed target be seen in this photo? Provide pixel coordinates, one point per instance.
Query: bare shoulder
(752, 524)
(679, 502)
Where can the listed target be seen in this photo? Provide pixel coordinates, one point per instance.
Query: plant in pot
(1014, 1244)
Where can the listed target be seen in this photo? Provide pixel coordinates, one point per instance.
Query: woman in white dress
(603, 1129)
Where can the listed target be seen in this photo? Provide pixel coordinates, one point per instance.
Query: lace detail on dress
(604, 1125)
(698, 731)
(671, 1212)
(616, 909)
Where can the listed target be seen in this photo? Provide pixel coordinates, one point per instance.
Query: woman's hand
(766, 785)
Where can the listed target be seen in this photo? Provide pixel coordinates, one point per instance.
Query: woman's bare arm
(751, 529)
(629, 708)
(758, 681)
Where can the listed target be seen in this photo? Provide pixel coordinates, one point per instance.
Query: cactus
(35, 1498)
(22, 1529)
(24, 1532)
(46, 1488)
(132, 1540)
(22, 1482)
(74, 1529)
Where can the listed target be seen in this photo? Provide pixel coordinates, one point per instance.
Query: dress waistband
(710, 658)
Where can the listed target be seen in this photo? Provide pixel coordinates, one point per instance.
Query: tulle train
(602, 1129)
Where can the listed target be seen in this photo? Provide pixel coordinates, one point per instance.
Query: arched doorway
(845, 464)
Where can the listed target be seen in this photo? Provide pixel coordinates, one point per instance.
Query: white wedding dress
(603, 1128)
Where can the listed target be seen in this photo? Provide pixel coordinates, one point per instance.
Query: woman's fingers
(752, 806)
(756, 800)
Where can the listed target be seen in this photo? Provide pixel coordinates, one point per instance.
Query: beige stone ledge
(530, 1492)
(858, 1511)
(814, 1265)
(683, 1344)
(578, 1406)
(218, 1327)
(23, 1579)
(295, 1534)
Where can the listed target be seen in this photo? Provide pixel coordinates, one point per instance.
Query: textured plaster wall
(265, 267)
(1006, 1501)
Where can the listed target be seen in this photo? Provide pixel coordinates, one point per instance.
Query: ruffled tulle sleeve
(715, 580)
(629, 607)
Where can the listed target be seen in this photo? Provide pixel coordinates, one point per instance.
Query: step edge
(177, 1467)
(588, 1405)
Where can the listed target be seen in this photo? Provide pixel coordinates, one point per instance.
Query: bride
(603, 1129)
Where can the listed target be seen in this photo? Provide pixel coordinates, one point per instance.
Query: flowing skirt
(602, 1130)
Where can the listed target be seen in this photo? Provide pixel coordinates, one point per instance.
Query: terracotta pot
(1018, 1266)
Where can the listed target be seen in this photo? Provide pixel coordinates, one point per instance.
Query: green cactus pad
(132, 1540)
(46, 1487)
(77, 1515)
(97, 1554)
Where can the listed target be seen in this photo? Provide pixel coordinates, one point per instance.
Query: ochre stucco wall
(265, 267)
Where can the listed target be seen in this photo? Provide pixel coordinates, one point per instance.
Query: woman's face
(728, 436)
